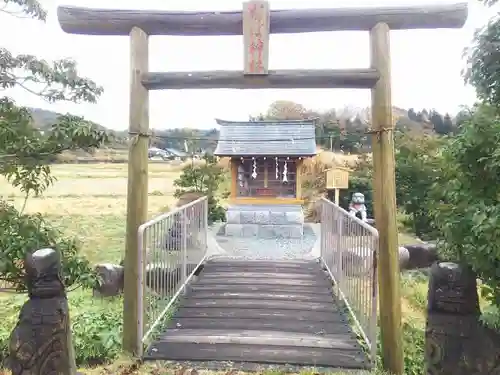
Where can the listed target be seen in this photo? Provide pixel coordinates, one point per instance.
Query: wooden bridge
(265, 312)
(313, 311)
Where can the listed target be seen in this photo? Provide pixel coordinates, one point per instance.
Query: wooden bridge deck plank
(284, 325)
(261, 295)
(255, 303)
(266, 288)
(268, 315)
(234, 262)
(264, 281)
(259, 337)
(246, 313)
(263, 275)
(258, 268)
(263, 354)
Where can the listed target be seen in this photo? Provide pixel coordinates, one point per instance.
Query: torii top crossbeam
(76, 20)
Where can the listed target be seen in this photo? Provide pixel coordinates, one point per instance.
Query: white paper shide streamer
(254, 166)
(285, 172)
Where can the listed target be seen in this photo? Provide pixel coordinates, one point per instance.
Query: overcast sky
(426, 64)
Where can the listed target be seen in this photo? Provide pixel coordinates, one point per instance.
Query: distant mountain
(43, 119)
(426, 121)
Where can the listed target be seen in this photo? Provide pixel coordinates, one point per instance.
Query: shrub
(97, 327)
(204, 178)
(21, 233)
(413, 346)
(467, 205)
(313, 172)
(491, 317)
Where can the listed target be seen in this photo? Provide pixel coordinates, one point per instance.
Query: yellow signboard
(337, 178)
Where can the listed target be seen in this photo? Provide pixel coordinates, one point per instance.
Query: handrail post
(140, 289)
(184, 250)
(340, 252)
(373, 318)
(205, 221)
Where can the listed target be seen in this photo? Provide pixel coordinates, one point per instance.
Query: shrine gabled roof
(254, 138)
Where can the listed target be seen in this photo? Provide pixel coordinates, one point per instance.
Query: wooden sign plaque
(337, 178)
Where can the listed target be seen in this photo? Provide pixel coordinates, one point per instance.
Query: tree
(327, 128)
(466, 204)
(447, 124)
(286, 110)
(437, 121)
(423, 116)
(412, 115)
(464, 115)
(482, 61)
(418, 165)
(204, 179)
(25, 152)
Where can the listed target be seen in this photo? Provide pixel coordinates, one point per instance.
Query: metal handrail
(346, 242)
(156, 250)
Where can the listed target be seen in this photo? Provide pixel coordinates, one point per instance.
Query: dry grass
(327, 159)
(332, 159)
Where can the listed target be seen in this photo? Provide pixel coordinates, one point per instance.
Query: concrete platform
(265, 221)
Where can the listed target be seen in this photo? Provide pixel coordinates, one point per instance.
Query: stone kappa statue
(357, 206)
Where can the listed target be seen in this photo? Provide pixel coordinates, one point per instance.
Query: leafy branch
(54, 81)
(26, 152)
(28, 8)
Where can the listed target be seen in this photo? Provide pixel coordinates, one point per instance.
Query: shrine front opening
(271, 179)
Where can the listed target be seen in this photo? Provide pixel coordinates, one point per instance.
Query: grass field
(89, 202)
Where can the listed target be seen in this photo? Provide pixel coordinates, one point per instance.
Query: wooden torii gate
(256, 22)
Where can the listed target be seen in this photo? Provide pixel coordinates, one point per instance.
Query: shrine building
(266, 156)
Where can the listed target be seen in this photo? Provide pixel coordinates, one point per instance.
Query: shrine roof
(254, 138)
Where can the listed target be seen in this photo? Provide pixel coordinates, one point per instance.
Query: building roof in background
(254, 138)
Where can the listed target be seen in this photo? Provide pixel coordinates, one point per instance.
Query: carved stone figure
(40, 344)
(415, 256)
(357, 206)
(455, 340)
(111, 280)
(161, 277)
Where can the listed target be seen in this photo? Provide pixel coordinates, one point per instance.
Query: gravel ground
(263, 248)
